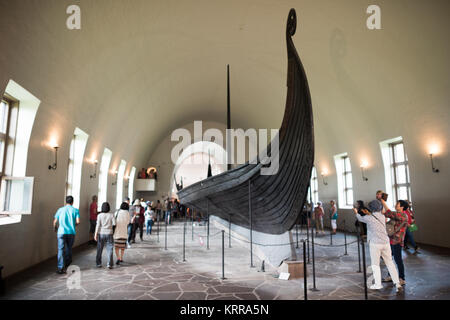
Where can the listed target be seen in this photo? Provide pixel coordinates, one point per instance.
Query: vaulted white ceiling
(139, 69)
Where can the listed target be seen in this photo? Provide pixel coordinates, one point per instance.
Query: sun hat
(375, 206)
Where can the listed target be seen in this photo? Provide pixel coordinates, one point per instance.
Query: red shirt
(408, 213)
(400, 225)
(93, 211)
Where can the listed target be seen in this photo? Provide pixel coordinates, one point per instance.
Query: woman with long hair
(121, 231)
(104, 235)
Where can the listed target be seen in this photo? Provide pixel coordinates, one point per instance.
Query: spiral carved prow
(291, 25)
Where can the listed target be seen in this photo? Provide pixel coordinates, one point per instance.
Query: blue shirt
(67, 216)
(335, 215)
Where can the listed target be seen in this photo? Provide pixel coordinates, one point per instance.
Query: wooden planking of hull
(276, 200)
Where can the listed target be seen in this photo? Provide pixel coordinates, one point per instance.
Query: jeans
(397, 253)
(139, 226)
(409, 236)
(149, 226)
(130, 232)
(168, 214)
(65, 243)
(105, 239)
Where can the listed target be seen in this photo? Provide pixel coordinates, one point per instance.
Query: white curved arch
(195, 159)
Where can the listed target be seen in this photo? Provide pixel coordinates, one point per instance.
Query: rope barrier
(275, 244)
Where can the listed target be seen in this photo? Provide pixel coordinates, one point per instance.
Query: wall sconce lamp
(323, 174)
(435, 170)
(116, 174)
(55, 164)
(93, 176)
(363, 166)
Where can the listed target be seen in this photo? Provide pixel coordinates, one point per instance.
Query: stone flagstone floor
(151, 272)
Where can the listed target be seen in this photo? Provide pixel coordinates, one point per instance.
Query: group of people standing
(319, 213)
(386, 231)
(113, 230)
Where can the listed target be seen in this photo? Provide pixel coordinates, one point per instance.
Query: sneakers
(109, 266)
(99, 266)
(387, 279)
(402, 282)
(118, 262)
(60, 271)
(376, 287)
(416, 249)
(398, 288)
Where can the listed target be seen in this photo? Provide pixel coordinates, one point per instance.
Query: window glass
(17, 194)
(120, 174)
(76, 156)
(402, 193)
(401, 174)
(349, 195)
(348, 181)
(4, 107)
(131, 183)
(399, 152)
(103, 176)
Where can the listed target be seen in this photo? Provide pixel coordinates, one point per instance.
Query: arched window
(18, 109)
(103, 176)
(345, 180)
(314, 186)
(131, 178)
(396, 169)
(119, 192)
(76, 155)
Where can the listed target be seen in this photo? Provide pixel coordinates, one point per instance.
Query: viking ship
(267, 203)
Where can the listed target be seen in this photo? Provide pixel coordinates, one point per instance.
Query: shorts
(93, 224)
(334, 223)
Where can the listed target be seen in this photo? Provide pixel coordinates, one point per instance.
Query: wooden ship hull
(267, 203)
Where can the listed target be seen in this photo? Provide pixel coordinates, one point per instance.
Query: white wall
(129, 83)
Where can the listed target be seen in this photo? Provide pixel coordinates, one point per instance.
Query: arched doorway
(192, 164)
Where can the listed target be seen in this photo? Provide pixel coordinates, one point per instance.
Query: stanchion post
(207, 214)
(359, 249)
(157, 221)
(364, 268)
(229, 232)
(223, 255)
(296, 234)
(305, 283)
(345, 239)
(165, 237)
(331, 232)
(307, 237)
(251, 222)
(184, 242)
(192, 226)
(313, 261)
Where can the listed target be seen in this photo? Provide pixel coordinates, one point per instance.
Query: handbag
(413, 227)
(390, 228)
